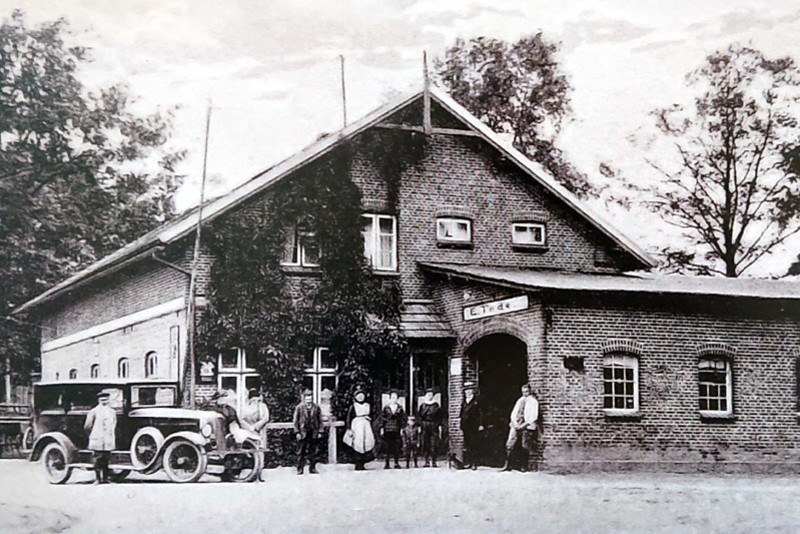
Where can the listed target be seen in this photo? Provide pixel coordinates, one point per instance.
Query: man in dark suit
(308, 429)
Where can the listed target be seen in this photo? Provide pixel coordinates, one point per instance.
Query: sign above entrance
(498, 307)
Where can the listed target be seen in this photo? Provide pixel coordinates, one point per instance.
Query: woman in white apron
(359, 433)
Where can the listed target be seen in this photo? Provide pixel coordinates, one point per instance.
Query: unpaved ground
(422, 500)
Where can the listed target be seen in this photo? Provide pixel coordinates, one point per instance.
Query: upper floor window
(123, 368)
(73, 374)
(380, 241)
(714, 382)
(621, 384)
(302, 248)
(453, 231)
(528, 234)
(94, 370)
(151, 365)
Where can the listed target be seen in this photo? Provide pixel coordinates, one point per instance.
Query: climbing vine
(279, 317)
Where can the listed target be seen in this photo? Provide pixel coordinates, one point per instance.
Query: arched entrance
(501, 364)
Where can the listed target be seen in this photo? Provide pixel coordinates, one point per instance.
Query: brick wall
(668, 432)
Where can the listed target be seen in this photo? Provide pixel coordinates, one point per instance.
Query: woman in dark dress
(471, 425)
(393, 419)
(430, 418)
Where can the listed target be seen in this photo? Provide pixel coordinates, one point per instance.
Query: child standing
(411, 437)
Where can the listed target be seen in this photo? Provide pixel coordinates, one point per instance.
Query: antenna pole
(192, 307)
(426, 96)
(344, 92)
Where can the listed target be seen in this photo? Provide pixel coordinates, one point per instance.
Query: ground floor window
(621, 383)
(236, 376)
(320, 378)
(714, 381)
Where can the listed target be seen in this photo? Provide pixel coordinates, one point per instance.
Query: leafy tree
(80, 174)
(733, 190)
(516, 89)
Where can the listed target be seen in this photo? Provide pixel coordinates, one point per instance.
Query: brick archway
(497, 326)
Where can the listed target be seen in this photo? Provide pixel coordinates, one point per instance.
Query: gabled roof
(626, 282)
(185, 224)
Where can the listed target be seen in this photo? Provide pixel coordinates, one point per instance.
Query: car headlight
(207, 430)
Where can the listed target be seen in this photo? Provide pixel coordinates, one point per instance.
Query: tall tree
(516, 89)
(80, 174)
(733, 189)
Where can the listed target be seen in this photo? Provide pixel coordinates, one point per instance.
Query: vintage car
(152, 433)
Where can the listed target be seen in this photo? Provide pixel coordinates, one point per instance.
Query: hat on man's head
(103, 394)
(307, 392)
(218, 395)
(469, 384)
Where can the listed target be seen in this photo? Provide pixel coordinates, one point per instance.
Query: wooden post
(426, 97)
(191, 308)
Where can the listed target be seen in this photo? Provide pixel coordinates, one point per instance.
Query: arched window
(151, 365)
(123, 368)
(94, 370)
(73, 374)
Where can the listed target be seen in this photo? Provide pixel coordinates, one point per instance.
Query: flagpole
(192, 307)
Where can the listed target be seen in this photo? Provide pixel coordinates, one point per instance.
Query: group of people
(400, 434)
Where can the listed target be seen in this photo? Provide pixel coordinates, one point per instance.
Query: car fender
(158, 438)
(50, 437)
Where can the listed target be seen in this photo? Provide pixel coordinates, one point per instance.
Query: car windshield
(153, 396)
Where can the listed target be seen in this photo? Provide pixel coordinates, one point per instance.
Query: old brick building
(506, 278)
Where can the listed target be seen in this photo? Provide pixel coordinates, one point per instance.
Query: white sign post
(498, 307)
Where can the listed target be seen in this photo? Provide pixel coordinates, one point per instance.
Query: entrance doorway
(501, 364)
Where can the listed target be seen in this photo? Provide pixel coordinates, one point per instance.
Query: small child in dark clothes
(411, 435)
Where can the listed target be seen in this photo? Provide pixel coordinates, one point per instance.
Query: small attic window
(528, 235)
(453, 232)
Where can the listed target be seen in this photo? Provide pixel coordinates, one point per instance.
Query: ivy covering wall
(279, 317)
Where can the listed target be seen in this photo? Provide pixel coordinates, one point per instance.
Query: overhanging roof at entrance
(627, 282)
(419, 320)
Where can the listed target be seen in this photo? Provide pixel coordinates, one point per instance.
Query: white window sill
(718, 416)
(385, 273)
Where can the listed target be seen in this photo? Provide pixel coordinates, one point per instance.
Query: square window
(528, 234)
(302, 248)
(450, 230)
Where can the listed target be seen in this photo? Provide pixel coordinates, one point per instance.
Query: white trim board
(116, 324)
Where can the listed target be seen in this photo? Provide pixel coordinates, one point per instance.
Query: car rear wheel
(184, 461)
(244, 466)
(55, 463)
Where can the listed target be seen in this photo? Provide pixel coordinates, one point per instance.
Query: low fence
(14, 421)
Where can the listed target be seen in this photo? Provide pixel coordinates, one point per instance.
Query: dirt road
(421, 500)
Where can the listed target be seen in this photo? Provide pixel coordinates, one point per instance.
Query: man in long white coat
(523, 424)
(101, 425)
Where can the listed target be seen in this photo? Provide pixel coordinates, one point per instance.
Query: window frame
(123, 364)
(624, 360)
(240, 372)
(73, 374)
(317, 372)
(445, 241)
(151, 364)
(529, 223)
(301, 238)
(94, 370)
(375, 237)
(728, 412)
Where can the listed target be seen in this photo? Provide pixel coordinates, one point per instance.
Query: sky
(271, 69)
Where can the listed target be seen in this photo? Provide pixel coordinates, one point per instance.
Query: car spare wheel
(56, 464)
(184, 461)
(244, 466)
(145, 446)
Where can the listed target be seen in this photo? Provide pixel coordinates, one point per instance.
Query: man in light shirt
(522, 425)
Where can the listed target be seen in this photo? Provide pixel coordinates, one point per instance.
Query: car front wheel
(55, 463)
(184, 461)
